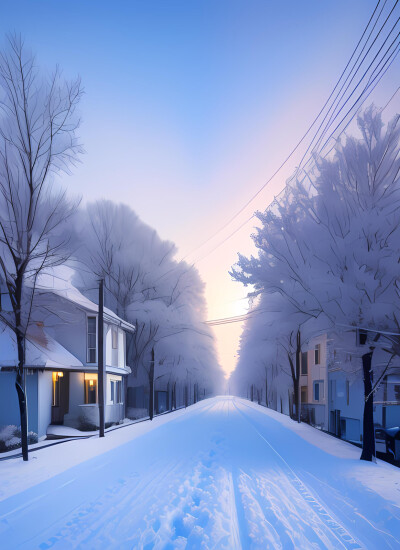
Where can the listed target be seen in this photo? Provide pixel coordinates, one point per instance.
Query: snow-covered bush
(10, 438)
(136, 413)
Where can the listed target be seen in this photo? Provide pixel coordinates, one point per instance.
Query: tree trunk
(100, 361)
(151, 384)
(186, 396)
(20, 382)
(368, 450)
(295, 399)
(266, 392)
(21, 391)
(252, 392)
(298, 395)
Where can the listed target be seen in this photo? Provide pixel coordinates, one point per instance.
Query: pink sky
(191, 106)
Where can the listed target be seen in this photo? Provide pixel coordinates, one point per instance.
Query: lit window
(56, 388)
(90, 389)
(91, 340)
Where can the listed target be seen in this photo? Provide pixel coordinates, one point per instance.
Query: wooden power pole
(100, 358)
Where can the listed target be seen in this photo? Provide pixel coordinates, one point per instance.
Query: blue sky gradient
(191, 105)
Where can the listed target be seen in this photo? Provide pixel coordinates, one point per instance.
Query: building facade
(61, 364)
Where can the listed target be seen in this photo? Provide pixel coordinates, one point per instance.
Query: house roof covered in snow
(42, 351)
(64, 289)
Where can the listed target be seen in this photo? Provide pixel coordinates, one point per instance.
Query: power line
(226, 239)
(351, 80)
(237, 318)
(292, 151)
(326, 142)
(360, 96)
(394, 54)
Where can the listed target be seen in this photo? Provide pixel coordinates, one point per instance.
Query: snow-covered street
(225, 473)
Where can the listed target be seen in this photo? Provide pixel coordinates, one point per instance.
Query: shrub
(10, 438)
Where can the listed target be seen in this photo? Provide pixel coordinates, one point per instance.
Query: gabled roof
(42, 351)
(66, 291)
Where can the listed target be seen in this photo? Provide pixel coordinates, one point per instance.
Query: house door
(60, 404)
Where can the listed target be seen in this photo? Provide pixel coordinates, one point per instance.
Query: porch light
(60, 374)
(90, 382)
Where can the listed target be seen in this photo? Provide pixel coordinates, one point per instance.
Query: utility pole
(100, 358)
(151, 384)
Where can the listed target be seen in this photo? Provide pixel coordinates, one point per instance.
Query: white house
(314, 381)
(332, 387)
(346, 388)
(61, 361)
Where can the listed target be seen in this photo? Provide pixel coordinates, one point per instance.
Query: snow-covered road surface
(225, 474)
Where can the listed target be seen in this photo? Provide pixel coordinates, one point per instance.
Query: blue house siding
(9, 409)
(346, 398)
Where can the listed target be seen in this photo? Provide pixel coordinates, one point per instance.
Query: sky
(190, 106)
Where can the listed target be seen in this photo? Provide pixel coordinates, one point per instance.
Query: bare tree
(37, 140)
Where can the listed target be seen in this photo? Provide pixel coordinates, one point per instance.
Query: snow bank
(16, 476)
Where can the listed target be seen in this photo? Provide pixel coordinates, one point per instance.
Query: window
(56, 388)
(319, 390)
(114, 333)
(91, 340)
(115, 393)
(397, 392)
(317, 354)
(90, 389)
(361, 337)
(304, 394)
(304, 362)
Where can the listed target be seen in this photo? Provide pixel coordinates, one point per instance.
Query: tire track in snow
(198, 506)
(346, 540)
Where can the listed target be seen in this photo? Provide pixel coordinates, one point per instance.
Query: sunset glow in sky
(190, 106)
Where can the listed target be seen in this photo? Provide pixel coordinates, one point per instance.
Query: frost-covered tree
(270, 351)
(148, 287)
(37, 139)
(331, 243)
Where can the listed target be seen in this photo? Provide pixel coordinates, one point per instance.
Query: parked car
(387, 442)
(380, 440)
(393, 443)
